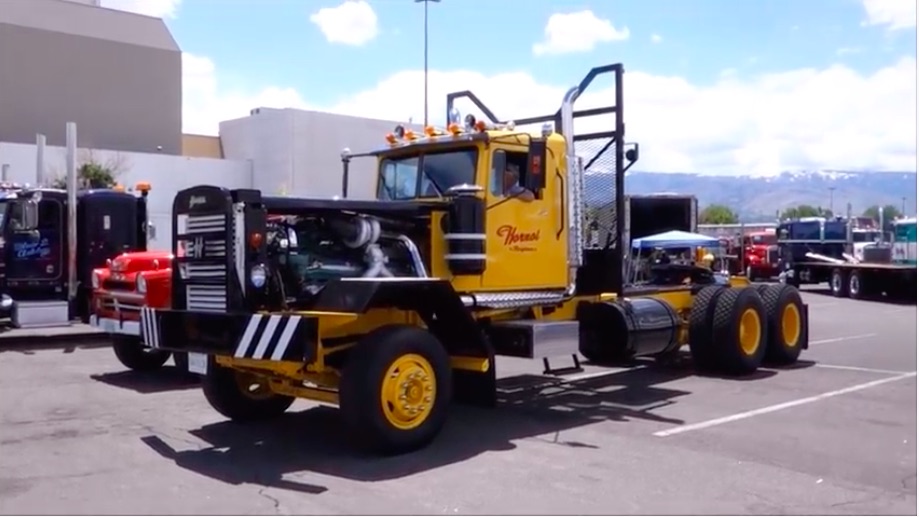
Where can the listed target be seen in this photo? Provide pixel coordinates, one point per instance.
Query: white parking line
(778, 407)
(843, 338)
(859, 369)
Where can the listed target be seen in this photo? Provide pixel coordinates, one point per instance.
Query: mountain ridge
(758, 197)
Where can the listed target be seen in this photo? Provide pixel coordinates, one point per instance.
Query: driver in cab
(512, 187)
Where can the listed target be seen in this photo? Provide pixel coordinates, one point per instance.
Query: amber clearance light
(255, 239)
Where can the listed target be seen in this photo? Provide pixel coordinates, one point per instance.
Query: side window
(399, 179)
(49, 215)
(506, 167)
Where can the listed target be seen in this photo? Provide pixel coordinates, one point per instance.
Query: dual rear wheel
(735, 330)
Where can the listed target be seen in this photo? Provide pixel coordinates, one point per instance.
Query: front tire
(132, 353)
(395, 389)
(242, 396)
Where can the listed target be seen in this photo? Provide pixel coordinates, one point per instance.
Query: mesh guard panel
(599, 184)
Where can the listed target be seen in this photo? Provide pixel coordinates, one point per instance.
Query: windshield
(865, 236)
(763, 239)
(425, 175)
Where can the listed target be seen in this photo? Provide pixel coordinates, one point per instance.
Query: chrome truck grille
(205, 281)
(772, 255)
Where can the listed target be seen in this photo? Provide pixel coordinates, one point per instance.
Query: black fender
(442, 310)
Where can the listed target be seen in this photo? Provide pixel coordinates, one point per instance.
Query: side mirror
(30, 215)
(534, 177)
(151, 231)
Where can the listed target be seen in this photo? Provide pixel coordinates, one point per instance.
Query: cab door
(525, 242)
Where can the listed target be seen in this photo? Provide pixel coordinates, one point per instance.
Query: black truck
(45, 276)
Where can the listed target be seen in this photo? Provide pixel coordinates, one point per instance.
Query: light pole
(426, 2)
(831, 200)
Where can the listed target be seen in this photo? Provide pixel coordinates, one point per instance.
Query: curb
(54, 341)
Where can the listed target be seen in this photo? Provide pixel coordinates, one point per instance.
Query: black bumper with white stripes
(273, 337)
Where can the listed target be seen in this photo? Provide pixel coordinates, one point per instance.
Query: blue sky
(715, 86)
(273, 42)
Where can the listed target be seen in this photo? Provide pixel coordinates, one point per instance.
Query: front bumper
(268, 337)
(115, 325)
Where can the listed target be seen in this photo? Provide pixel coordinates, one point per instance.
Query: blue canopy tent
(666, 240)
(674, 239)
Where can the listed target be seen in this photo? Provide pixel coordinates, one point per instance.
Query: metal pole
(831, 200)
(72, 212)
(425, 2)
(5, 170)
(40, 160)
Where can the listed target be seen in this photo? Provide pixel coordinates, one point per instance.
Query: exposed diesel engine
(306, 252)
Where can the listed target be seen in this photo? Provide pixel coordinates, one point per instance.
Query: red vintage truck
(130, 281)
(761, 255)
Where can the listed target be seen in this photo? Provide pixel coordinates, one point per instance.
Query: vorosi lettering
(512, 235)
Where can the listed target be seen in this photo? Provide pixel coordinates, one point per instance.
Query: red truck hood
(133, 262)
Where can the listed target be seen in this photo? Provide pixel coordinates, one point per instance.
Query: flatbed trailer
(856, 281)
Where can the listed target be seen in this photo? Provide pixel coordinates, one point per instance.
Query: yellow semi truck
(475, 246)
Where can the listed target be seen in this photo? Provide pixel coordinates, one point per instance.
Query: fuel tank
(632, 327)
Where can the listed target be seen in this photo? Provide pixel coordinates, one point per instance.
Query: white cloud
(799, 119)
(205, 105)
(656, 38)
(895, 14)
(577, 32)
(156, 8)
(351, 23)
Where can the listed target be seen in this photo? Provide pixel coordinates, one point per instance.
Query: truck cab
(36, 251)
(761, 254)
(507, 189)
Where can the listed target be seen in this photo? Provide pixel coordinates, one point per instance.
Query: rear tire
(739, 331)
(395, 389)
(242, 396)
(785, 336)
(132, 353)
(701, 345)
(839, 283)
(856, 286)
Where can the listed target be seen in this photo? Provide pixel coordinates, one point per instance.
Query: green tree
(795, 212)
(91, 175)
(717, 214)
(890, 213)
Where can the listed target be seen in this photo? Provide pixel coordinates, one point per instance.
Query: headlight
(258, 275)
(96, 280)
(141, 284)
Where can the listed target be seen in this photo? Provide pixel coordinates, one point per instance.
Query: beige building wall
(118, 75)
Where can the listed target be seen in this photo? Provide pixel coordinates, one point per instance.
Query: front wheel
(242, 396)
(132, 353)
(395, 389)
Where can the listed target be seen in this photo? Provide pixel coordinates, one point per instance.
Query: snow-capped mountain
(755, 197)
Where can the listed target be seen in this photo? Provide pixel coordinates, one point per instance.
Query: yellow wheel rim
(408, 392)
(751, 331)
(791, 325)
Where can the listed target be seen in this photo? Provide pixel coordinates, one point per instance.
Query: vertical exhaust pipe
(575, 188)
(71, 213)
(40, 160)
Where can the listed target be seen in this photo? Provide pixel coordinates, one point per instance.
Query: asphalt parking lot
(834, 435)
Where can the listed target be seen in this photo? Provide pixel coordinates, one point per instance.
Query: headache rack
(600, 185)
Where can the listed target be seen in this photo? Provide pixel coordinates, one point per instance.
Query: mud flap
(479, 389)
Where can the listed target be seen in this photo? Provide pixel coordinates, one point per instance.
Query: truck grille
(772, 255)
(206, 264)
